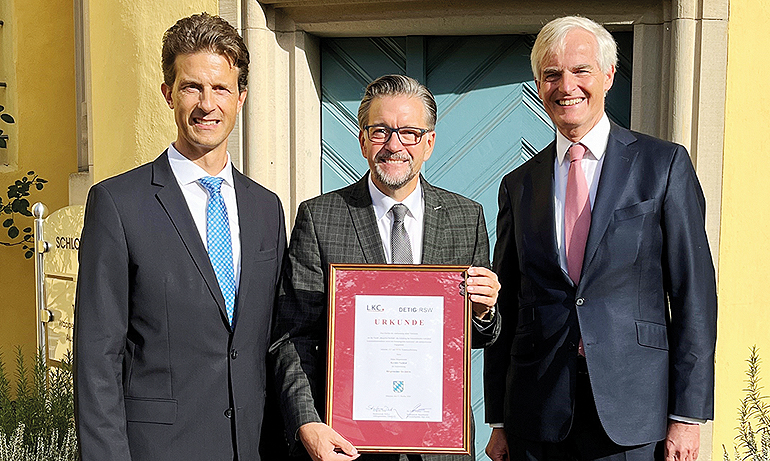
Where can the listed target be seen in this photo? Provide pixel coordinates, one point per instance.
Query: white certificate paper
(399, 360)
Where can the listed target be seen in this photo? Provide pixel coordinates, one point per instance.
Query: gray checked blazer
(340, 227)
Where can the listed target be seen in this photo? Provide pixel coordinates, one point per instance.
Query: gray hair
(553, 34)
(397, 85)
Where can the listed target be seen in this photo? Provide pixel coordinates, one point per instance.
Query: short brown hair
(204, 32)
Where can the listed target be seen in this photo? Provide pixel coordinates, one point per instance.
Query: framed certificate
(398, 361)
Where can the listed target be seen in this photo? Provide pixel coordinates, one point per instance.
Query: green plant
(7, 119)
(753, 418)
(18, 204)
(39, 423)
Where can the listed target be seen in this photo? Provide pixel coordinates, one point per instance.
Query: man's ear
(362, 143)
(166, 90)
(430, 144)
(609, 78)
(242, 98)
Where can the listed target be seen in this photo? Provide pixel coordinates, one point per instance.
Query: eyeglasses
(408, 135)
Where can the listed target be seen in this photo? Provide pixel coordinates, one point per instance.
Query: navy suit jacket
(159, 372)
(645, 305)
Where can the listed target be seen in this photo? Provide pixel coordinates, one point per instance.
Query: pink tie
(577, 213)
(577, 217)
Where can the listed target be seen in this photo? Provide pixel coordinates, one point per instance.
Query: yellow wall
(131, 123)
(129, 120)
(744, 253)
(41, 67)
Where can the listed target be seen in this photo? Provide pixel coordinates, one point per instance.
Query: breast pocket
(637, 209)
(624, 235)
(266, 255)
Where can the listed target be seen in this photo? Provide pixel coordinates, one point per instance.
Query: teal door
(490, 119)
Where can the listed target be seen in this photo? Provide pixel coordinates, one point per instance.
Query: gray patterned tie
(400, 249)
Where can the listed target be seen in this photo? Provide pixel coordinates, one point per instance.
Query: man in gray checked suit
(362, 223)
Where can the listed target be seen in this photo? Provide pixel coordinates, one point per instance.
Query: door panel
(490, 119)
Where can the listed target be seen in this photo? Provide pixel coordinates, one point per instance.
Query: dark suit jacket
(646, 253)
(340, 227)
(159, 373)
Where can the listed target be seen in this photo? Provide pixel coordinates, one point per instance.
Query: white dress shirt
(595, 142)
(187, 175)
(413, 221)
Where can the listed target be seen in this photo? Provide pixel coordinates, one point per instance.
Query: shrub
(753, 418)
(38, 424)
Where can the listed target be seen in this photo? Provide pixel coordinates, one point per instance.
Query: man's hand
(482, 287)
(324, 443)
(497, 447)
(682, 441)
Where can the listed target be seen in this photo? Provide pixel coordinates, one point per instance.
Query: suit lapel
(433, 223)
(248, 218)
(173, 202)
(541, 211)
(365, 223)
(619, 158)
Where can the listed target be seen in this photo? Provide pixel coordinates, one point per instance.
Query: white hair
(552, 36)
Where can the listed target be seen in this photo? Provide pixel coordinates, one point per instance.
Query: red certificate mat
(398, 376)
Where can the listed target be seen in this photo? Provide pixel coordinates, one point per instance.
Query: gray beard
(394, 182)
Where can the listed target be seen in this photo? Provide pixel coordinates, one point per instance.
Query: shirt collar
(383, 203)
(187, 172)
(595, 141)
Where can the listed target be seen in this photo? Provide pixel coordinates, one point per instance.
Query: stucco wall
(744, 268)
(38, 48)
(129, 122)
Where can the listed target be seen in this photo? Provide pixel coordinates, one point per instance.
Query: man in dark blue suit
(179, 261)
(608, 296)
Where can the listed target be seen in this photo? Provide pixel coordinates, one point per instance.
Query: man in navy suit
(608, 296)
(179, 261)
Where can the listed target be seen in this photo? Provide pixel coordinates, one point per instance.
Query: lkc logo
(398, 387)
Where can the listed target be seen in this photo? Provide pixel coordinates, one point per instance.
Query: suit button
(229, 413)
(580, 301)
(234, 354)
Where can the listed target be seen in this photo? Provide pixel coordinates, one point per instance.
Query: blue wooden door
(490, 119)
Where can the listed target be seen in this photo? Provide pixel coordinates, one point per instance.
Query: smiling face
(394, 167)
(206, 102)
(572, 85)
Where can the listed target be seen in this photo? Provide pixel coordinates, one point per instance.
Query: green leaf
(13, 232)
(7, 118)
(41, 180)
(2, 108)
(20, 206)
(28, 254)
(39, 186)
(27, 230)
(3, 144)
(8, 222)
(30, 172)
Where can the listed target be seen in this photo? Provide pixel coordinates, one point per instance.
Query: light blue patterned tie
(218, 239)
